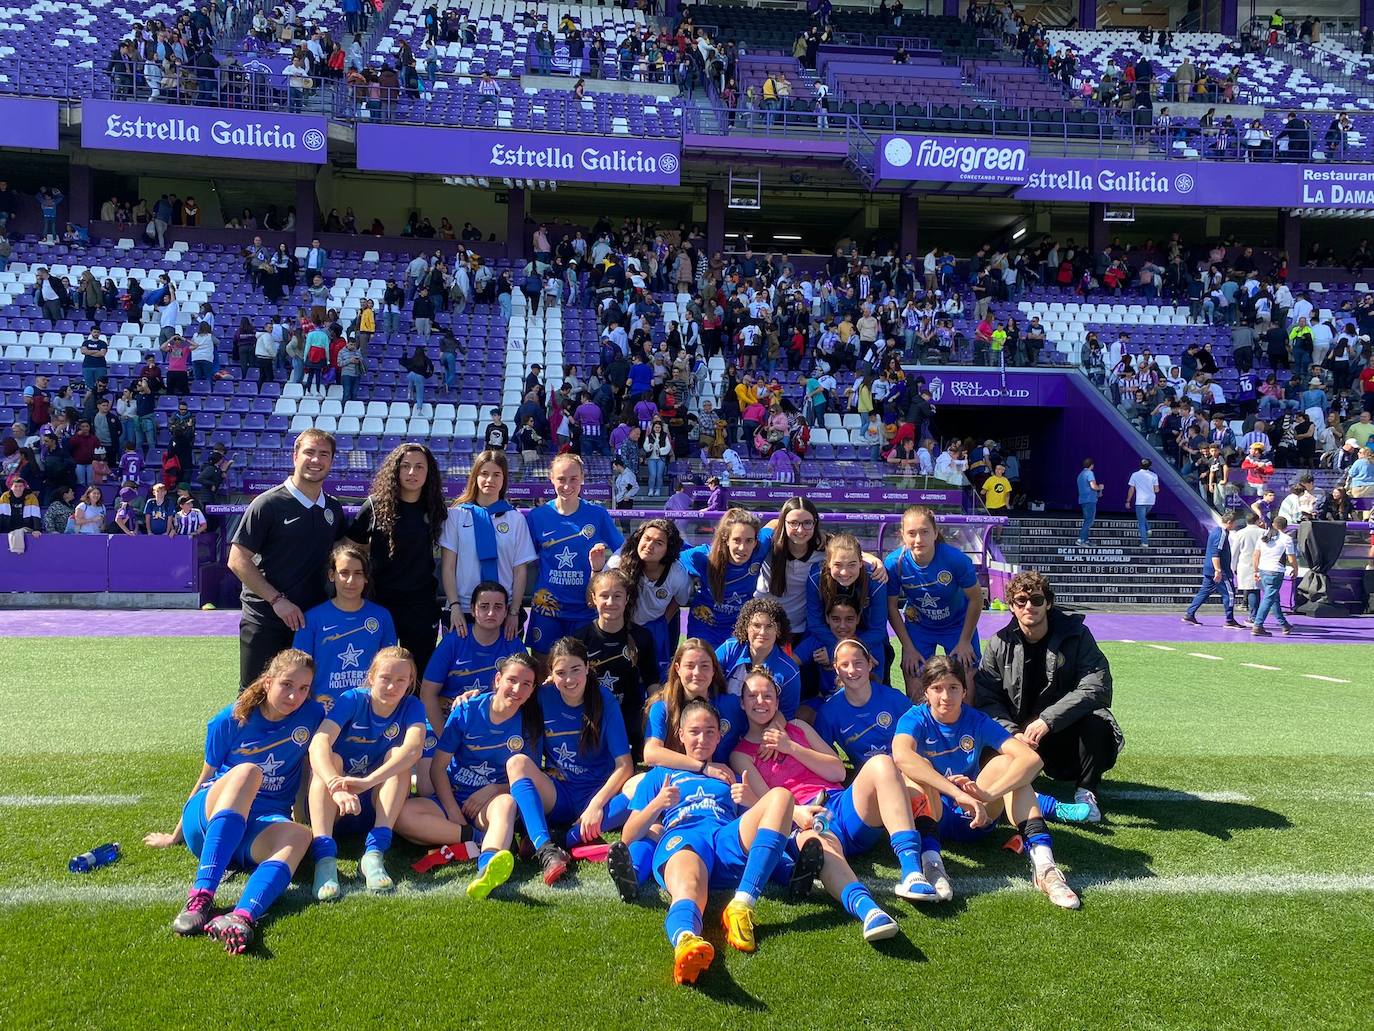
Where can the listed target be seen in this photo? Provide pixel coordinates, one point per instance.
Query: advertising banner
(519, 155)
(953, 159)
(204, 131)
(28, 123)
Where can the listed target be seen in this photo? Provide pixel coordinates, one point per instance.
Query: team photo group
(746, 715)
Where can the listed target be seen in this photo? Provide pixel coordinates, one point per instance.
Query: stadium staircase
(1114, 571)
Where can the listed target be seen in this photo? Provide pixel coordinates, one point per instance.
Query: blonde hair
(393, 653)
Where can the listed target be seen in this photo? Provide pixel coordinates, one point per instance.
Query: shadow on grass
(1160, 808)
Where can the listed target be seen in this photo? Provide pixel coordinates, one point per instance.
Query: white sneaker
(1086, 797)
(915, 888)
(934, 869)
(1053, 884)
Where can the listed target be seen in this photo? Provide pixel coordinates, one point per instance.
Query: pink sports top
(786, 771)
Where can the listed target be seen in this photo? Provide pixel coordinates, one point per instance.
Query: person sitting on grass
(362, 778)
(940, 745)
(1068, 719)
(778, 753)
(239, 811)
(587, 756)
(710, 841)
(481, 734)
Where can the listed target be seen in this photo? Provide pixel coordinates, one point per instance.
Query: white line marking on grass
(1204, 655)
(1162, 795)
(1328, 680)
(42, 801)
(1126, 640)
(597, 890)
(1161, 647)
(1260, 665)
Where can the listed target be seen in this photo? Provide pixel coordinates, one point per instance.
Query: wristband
(277, 597)
(704, 764)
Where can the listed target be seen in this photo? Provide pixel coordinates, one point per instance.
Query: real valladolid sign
(979, 162)
(519, 155)
(204, 132)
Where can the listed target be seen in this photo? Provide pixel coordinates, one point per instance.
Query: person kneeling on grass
(708, 843)
(1064, 716)
(939, 745)
(587, 753)
(239, 812)
(375, 733)
(481, 734)
(776, 753)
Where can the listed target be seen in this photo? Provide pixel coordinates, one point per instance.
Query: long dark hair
(592, 707)
(830, 589)
(674, 695)
(633, 566)
(777, 559)
(718, 558)
(385, 495)
(531, 712)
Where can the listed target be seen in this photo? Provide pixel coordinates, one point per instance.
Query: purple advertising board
(204, 132)
(994, 387)
(28, 123)
(955, 159)
(519, 155)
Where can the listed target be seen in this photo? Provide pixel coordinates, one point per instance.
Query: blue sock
(323, 847)
(683, 918)
(531, 808)
(857, 901)
(1049, 805)
(483, 858)
(223, 835)
(782, 869)
(642, 855)
(379, 839)
(268, 881)
(763, 856)
(906, 845)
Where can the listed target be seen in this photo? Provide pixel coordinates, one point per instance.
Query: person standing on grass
(1066, 718)
(1216, 573)
(399, 525)
(1275, 553)
(1141, 490)
(280, 552)
(1089, 490)
(239, 812)
(362, 755)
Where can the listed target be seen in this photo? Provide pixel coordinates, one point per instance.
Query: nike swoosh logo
(327, 628)
(288, 522)
(931, 741)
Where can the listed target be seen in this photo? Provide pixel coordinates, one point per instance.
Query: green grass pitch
(1250, 905)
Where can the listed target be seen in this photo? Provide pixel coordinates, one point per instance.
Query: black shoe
(622, 870)
(1232, 624)
(810, 859)
(234, 932)
(195, 914)
(1191, 620)
(554, 861)
(1287, 629)
(1259, 631)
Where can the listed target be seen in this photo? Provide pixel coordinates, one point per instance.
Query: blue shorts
(568, 804)
(855, 836)
(360, 824)
(544, 630)
(718, 847)
(926, 640)
(955, 824)
(194, 821)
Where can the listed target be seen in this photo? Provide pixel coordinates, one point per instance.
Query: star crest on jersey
(484, 771)
(565, 755)
(357, 767)
(607, 681)
(348, 658)
(566, 557)
(270, 765)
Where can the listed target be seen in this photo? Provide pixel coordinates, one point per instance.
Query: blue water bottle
(820, 823)
(101, 855)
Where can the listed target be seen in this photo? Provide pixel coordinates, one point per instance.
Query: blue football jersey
(954, 750)
(479, 747)
(862, 731)
(277, 747)
(702, 801)
(932, 596)
(365, 737)
(343, 645)
(461, 664)
(732, 724)
(564, 545)
(562, 740)
(713, 619)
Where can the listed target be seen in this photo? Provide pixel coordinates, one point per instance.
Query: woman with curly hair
(399, 524)
(659, 584)
(761, 632)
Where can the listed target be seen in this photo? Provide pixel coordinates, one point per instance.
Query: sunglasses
(1023, 600)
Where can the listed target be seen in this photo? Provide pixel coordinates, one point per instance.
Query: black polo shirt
(409, 574)
(290, 538)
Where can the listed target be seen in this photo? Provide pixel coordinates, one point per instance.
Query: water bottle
(820, 823)
(101, 855)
